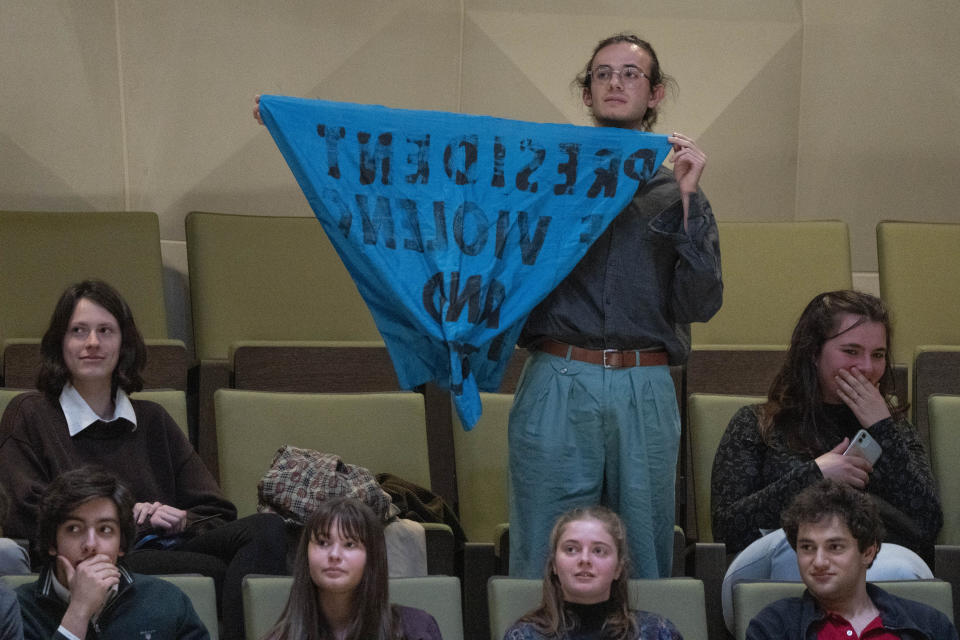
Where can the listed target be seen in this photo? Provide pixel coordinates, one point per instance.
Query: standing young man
(595, 419)
(86, 525)
(836, 532)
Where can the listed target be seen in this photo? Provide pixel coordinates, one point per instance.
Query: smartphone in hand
(864, 445)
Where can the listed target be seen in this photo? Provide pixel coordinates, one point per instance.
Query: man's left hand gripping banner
(455, 226)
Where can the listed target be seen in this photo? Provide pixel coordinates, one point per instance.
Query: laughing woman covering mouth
(585, 585)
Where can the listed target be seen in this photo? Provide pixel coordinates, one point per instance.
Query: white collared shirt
(79, 415)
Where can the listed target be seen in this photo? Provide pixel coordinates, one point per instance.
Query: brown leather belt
(609, 358)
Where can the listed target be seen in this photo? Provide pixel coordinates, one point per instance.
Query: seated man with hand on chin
(86, 525)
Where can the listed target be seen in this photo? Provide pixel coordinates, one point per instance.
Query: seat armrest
(707, 561)
(479, 564)
(946, 563)
(440, 549)
(214, 374)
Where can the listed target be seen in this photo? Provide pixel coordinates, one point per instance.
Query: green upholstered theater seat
(41, 253)
(707, 419)
(482, 467)
(203, 595)
(771, 270)
(944, 453)
(384, 432)
(437, 595)
(268, 278)
(174, 401)
(936, 370)
(680, 600)
(920, 282)
(263, 278)
(709, 415)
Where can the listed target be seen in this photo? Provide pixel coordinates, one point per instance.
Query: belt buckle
(607, 365)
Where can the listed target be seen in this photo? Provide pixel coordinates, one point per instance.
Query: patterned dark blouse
(752, 482)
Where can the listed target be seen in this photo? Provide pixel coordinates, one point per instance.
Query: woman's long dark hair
(550, 617)
(794, 408)
(372, 617)
(54, 374)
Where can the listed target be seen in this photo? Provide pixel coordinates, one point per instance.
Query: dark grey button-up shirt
(642, 281)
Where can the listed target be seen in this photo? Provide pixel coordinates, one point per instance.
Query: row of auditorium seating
(278, 278)
(274, 310)
(275, 284)
(681, 600)
(252, 425)
(263, 278)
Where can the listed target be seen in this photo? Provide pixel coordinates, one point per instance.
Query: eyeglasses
(630, 76)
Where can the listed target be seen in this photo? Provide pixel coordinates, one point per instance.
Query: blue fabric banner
(455, 226)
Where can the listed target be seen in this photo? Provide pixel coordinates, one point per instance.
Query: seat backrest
(202, 594)
(268, 278)
(384, 432)
(41, 253)
(166, 366)
(437, 595)
(175, 402)
(264, 598)
(199, 589)
(680, 600)
(749, 598)
(920, 283)
(944, 453)
(14, 581)
(745, 370)
(312, 366)
(762, 295)
(936, 369)
(482, 468)
(707, 419)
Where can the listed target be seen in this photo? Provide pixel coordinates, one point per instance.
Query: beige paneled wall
(737, 65)
(880, 115)
(61, 144)
(807, 108)
(192, 70)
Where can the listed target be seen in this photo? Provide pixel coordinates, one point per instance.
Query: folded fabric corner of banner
(467, 403)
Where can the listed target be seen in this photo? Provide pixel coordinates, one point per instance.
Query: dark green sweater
(144, 608)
